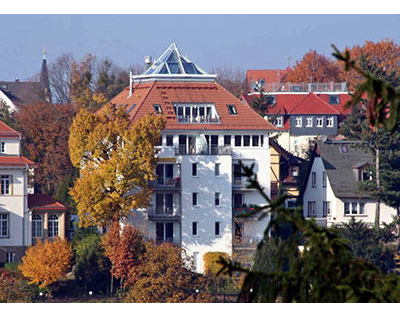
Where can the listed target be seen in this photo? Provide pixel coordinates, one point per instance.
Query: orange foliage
(315, 66)
(384, 54)
(47, 262)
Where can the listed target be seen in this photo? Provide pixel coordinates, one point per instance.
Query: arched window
(53, 226)
(37, 226)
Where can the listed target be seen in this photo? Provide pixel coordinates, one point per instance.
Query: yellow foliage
(47, 262)
(211, 266)
(117, 162)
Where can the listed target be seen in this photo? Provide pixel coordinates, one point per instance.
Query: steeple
(44, 78)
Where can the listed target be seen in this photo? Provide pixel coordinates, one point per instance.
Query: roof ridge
(312, 95)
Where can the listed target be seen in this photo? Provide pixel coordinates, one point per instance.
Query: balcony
(167, 184)
(242, 210)
(306, 87)
(189, 119)
(212, 150)
(172, 240)
(240, 184)
(172, 213)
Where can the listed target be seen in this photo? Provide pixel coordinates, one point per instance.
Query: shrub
(211, 265)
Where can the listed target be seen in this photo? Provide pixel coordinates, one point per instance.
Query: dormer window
(3, 147)
(279, 121)
(231, 109)
(299, 121)
(309, 121)
(319, 121)
(329, 121)
(270, 99)
(157, 108)
(334, 99)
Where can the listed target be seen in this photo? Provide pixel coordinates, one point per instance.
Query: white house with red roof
(208, 132)
(304, 115)
(24, 216)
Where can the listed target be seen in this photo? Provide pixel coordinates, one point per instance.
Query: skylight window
(344, 149)
(157, 108)
(334, 99)
(232, 109)
(131, 108)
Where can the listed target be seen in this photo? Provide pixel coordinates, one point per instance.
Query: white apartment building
(24, 216)
(208, 132)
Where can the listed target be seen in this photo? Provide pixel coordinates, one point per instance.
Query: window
(238, 140)
(10, 257)
(217, 228)
(334, 99)
(217, 198)
(261, 82)
(3, 147)
(194, 198)
(270, 99)
(329, 121)
(239, 228)
(309, 121)
(324, 179)
(238, 200)
(53, 226)
(36, 226)
(170, 140)
(354, 208)
(194, 228)
(227, 140)
(313, 179)
(157, 108)
(344, 149)
(294, 171)
(326, 208)
(262, 140)
(246, 140)
(256, 139)
(194, 169)
(299, 121)
(130, 108)
(231, 109)
(311, 208)
(5, 184)
(4, 223)
(320, 121)
(217, 165)
(291, 203)
(346, 208)
(279, 121)
(364, 175)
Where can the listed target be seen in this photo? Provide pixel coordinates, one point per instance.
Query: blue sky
(246, 41)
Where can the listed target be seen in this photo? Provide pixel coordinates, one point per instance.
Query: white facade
(206, 226)
(318, 193)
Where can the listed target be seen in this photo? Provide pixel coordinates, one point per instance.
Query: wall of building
(313, 130)
(12, 146)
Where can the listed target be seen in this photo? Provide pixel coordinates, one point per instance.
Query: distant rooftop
(302, 87)
(174, 65)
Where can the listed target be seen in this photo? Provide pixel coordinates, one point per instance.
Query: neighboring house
(331, 194)
(208, 131)
(24, 215)
(267, 79)
(302, 116)
(285, 168)
(15, 93)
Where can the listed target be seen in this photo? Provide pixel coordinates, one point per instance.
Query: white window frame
(299, 121)
(53, 229)
(354, 211)
(313, 179)
(326, 208)
(311, 209)
(324, 179)
(320, 122)
(4, 225)
(37, 226)
(279, 121)
(309, 121)
(6, 184)
(10, 257)
(329, 121)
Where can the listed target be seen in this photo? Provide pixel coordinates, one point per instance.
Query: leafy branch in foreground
(315, 264)
(383, 106)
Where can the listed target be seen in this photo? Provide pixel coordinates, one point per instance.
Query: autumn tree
(45, 128)
(47, 262)
(314, 68)
(117, 163)
(231, 78)
(166, 276)
(384, 54)
(60, 78)
(125, 251)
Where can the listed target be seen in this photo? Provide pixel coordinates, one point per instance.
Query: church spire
(44, 78)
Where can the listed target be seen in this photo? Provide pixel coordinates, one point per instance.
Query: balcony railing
(166, 183)
(165, 213)
(172, 240)
(198, 119)
(212, 150)
(305, 87)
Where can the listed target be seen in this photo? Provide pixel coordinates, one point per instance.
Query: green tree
(260, 104)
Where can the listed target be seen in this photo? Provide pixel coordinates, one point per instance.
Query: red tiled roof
(16, 161)
(7, 131)
(269, 75)
(165, 94)
(312, 104)
(343, 98)
(44, 202)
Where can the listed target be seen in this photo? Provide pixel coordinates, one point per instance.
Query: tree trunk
(378, 188)
(112, 285)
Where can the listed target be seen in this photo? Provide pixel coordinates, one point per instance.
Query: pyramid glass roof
(173, 65)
